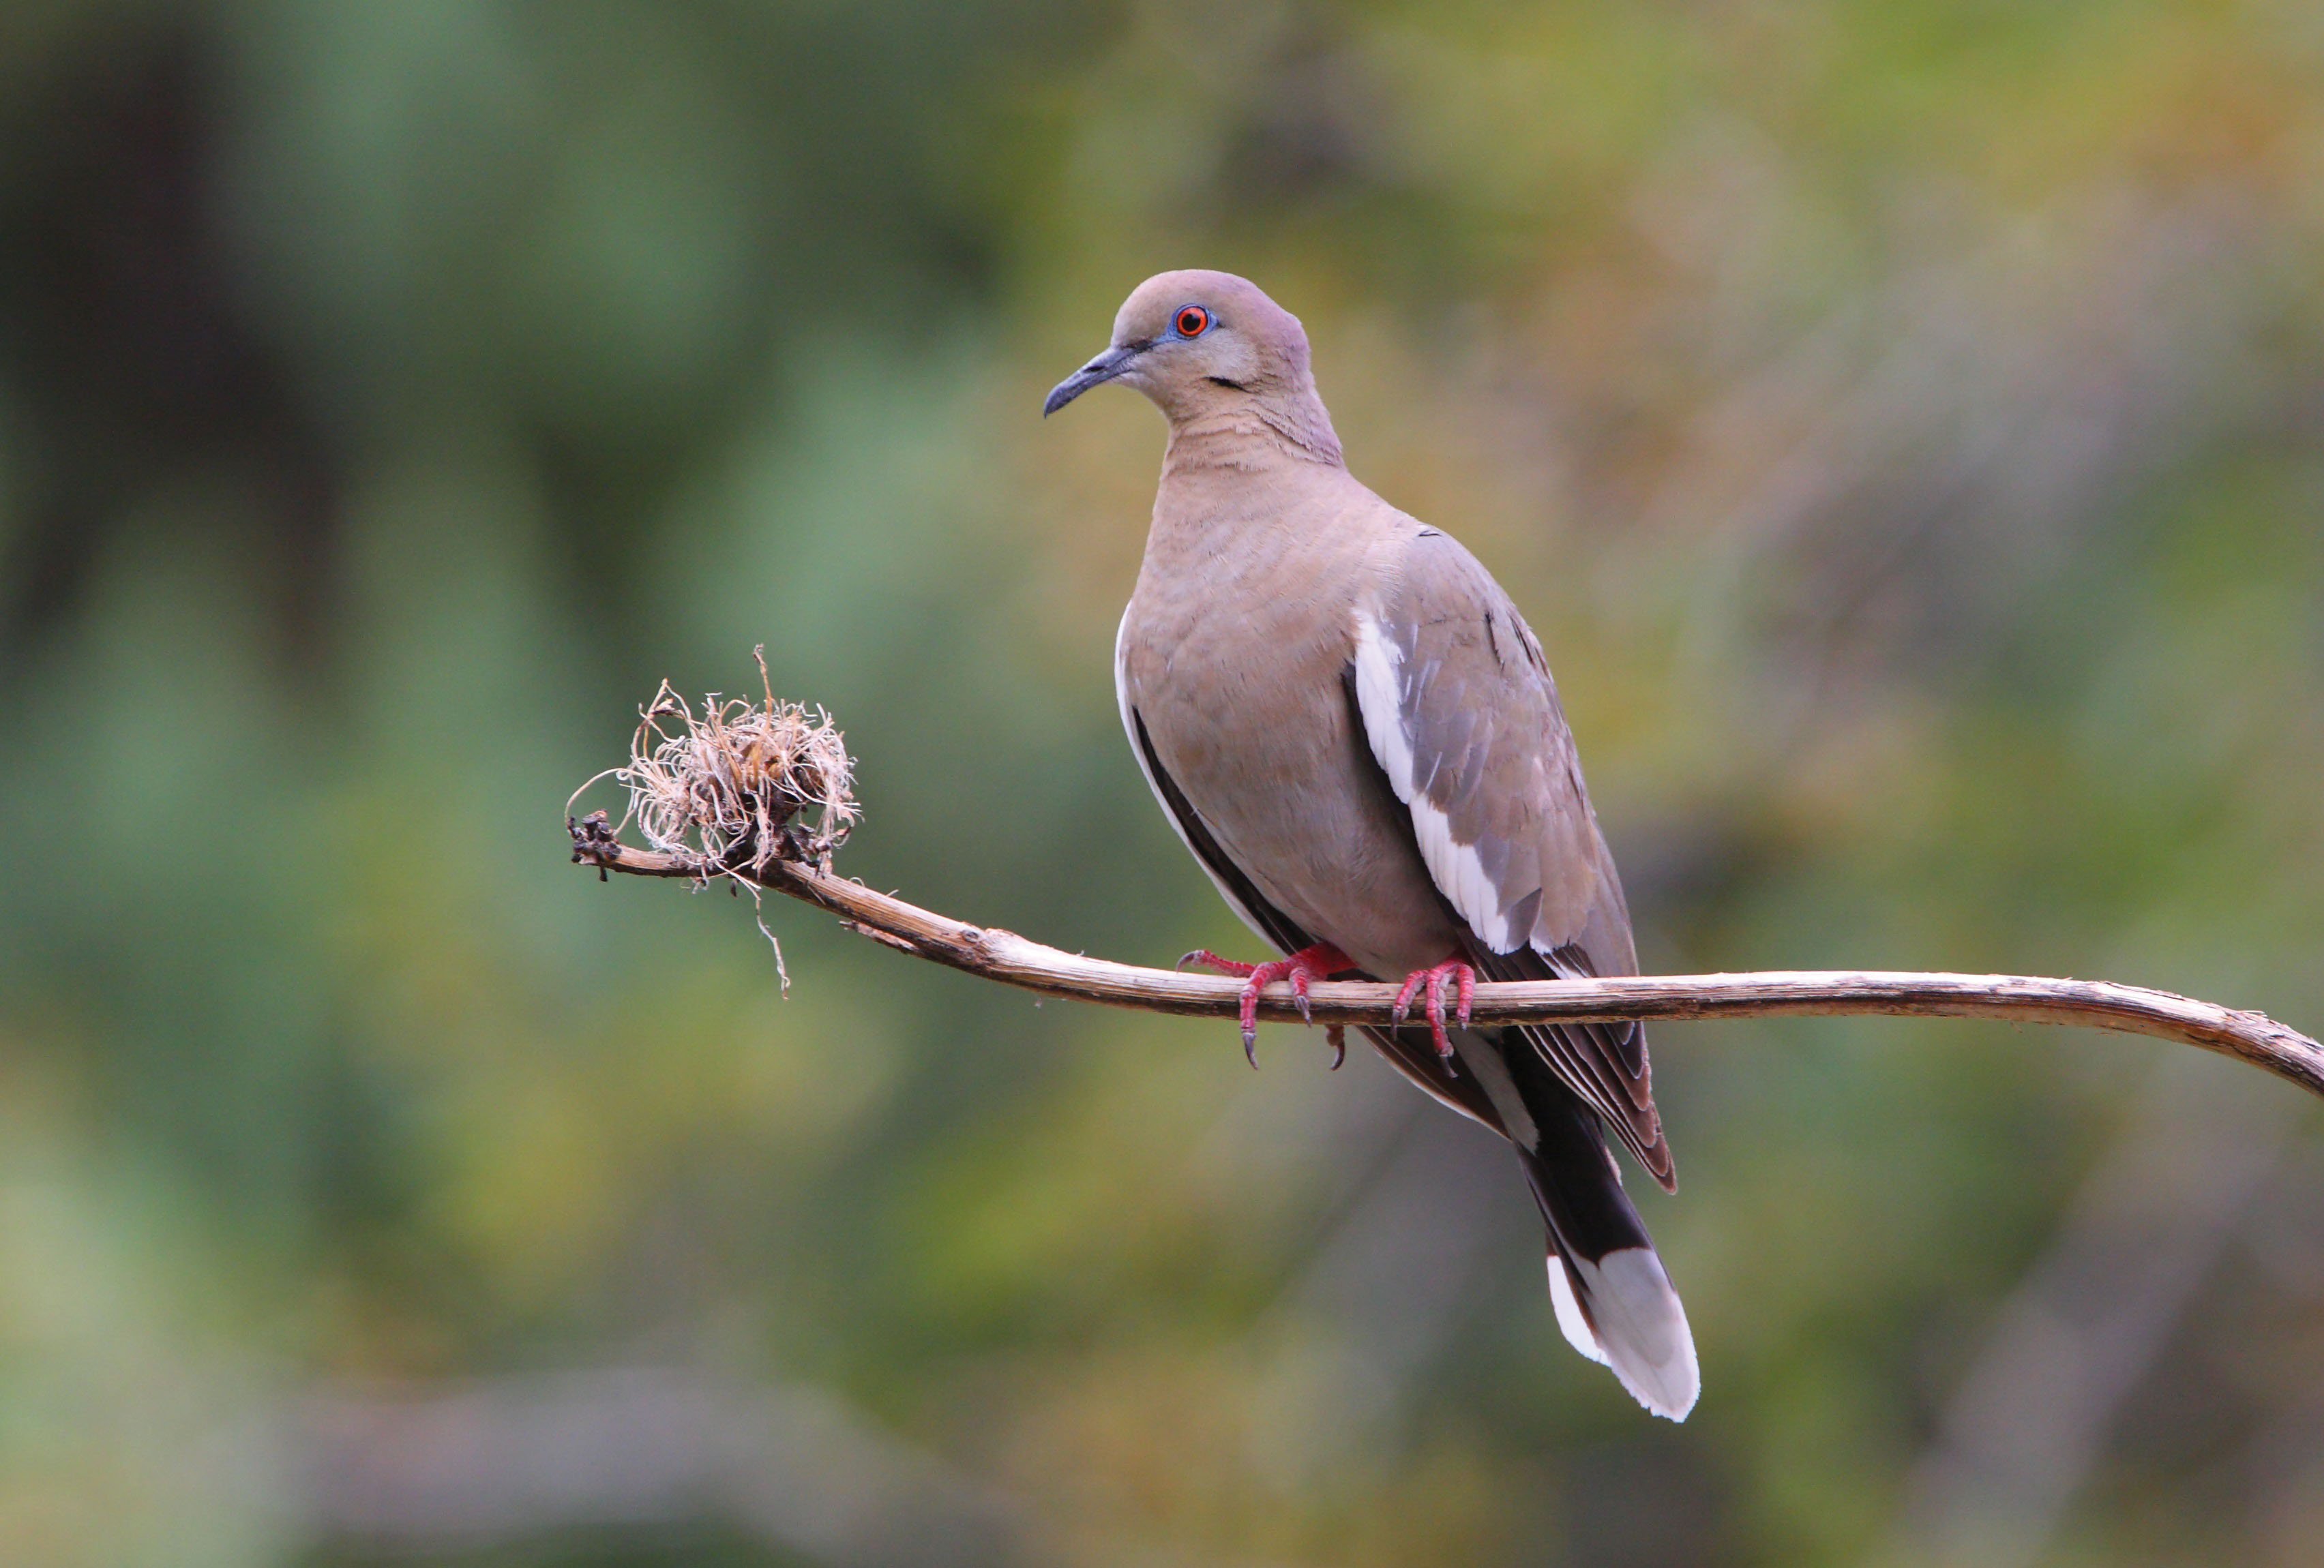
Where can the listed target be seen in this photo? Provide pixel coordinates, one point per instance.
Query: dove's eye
(1193, 321)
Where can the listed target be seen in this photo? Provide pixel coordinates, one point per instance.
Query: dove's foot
(1320, 961)
(1433, 978)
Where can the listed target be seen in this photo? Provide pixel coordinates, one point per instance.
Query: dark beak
(1104, 367)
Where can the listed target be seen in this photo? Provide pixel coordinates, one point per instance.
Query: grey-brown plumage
(1357, 735)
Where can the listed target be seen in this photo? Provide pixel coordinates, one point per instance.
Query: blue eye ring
(1191, 321)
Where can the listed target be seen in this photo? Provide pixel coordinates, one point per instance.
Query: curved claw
(1336, 1037)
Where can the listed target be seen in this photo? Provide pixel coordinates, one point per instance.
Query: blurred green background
(1902, 420)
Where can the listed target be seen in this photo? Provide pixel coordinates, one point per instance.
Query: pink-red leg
(1303, 968)
(1431, 978)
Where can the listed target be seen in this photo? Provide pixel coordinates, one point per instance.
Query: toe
(1404, 995)
(1437, 1013)
(1247, 1015)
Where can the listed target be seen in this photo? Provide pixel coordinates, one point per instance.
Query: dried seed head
(743, 784)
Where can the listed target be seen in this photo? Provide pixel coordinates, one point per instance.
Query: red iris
(1193, 321)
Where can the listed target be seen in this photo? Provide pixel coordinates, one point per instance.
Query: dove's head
(1201, 344)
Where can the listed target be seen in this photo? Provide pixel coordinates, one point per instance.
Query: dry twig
(717, 799)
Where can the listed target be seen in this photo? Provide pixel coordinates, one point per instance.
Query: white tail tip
(1641, 1330)
(1570, 1321)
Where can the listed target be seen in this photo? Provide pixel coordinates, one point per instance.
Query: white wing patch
(1130, 728)
(1456, 867)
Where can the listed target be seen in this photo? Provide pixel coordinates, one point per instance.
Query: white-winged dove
(1356, 733)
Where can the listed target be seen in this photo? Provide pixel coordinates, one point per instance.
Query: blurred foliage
(1901, 420)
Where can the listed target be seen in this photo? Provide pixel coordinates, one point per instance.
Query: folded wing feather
(1457, 705)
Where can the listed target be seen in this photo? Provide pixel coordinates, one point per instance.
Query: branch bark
(1013, 960)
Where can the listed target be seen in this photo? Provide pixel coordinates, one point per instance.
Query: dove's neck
(1246, 434)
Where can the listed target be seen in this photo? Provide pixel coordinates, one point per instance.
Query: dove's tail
(1613, 1299)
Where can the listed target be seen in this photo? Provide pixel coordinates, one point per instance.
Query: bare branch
(1013, 960)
